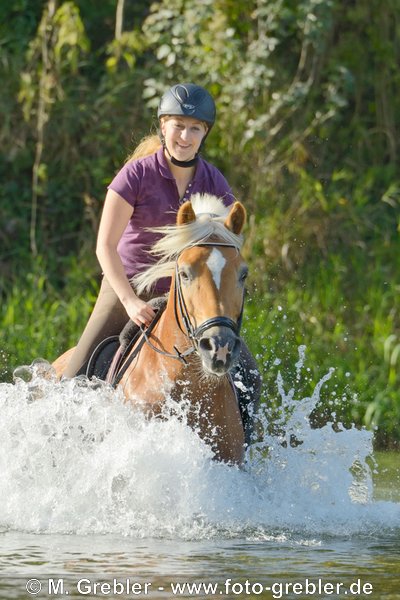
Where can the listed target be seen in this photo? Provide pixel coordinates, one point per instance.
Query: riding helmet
(188, 100)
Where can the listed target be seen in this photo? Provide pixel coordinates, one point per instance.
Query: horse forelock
(211, 213)
(209, 204)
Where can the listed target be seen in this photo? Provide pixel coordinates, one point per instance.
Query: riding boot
(247, 381)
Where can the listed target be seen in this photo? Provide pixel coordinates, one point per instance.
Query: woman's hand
(140, 312)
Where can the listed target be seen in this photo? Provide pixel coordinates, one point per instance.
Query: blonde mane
(210, 217)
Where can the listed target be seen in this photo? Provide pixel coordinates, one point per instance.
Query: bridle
(182, 316)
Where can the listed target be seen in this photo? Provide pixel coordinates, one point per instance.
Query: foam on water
(75, 459)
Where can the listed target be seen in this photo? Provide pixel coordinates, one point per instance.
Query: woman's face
(183, 136)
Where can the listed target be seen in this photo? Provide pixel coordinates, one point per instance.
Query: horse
(191, 349)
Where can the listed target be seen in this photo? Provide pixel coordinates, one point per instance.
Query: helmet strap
(180, 163)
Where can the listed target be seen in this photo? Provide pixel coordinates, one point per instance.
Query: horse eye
(243, 275)
(184, 276)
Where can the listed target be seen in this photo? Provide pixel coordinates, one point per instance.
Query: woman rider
(162, 173)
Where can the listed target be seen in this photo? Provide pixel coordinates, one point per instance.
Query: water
(93, 494)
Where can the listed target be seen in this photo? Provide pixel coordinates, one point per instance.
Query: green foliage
(347, 321)
(268, 92)
(39, 320)
(307, 135)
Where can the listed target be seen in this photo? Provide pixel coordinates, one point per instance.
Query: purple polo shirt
(148, 185)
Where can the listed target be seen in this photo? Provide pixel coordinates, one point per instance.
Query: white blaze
(216, 263)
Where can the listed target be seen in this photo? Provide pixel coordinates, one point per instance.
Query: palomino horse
(191, 349)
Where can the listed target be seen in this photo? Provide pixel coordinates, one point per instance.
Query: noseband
(182, 315)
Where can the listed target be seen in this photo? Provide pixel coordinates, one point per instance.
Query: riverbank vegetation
(307, 134)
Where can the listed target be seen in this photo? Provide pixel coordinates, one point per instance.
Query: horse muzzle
(219, 349)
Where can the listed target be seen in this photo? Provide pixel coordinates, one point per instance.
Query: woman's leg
(108, 318)
(248, 390)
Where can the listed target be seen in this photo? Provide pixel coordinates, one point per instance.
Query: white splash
(75, 459)
(216, 262)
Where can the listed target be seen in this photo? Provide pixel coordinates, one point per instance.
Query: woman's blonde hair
(148, 145)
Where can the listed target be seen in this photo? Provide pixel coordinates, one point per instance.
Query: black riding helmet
(187, 100)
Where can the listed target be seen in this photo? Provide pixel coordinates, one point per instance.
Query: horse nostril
(205, 344)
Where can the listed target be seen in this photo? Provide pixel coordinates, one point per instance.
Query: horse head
(209, 288)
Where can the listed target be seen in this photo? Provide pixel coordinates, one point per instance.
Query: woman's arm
(115, 217)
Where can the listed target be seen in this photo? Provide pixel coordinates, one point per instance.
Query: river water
(97, 502)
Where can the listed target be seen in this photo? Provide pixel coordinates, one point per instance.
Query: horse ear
(186, 214)
(236, 219)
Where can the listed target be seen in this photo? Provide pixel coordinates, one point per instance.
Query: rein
(193, 333)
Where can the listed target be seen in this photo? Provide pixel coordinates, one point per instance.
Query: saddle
(108, 359)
